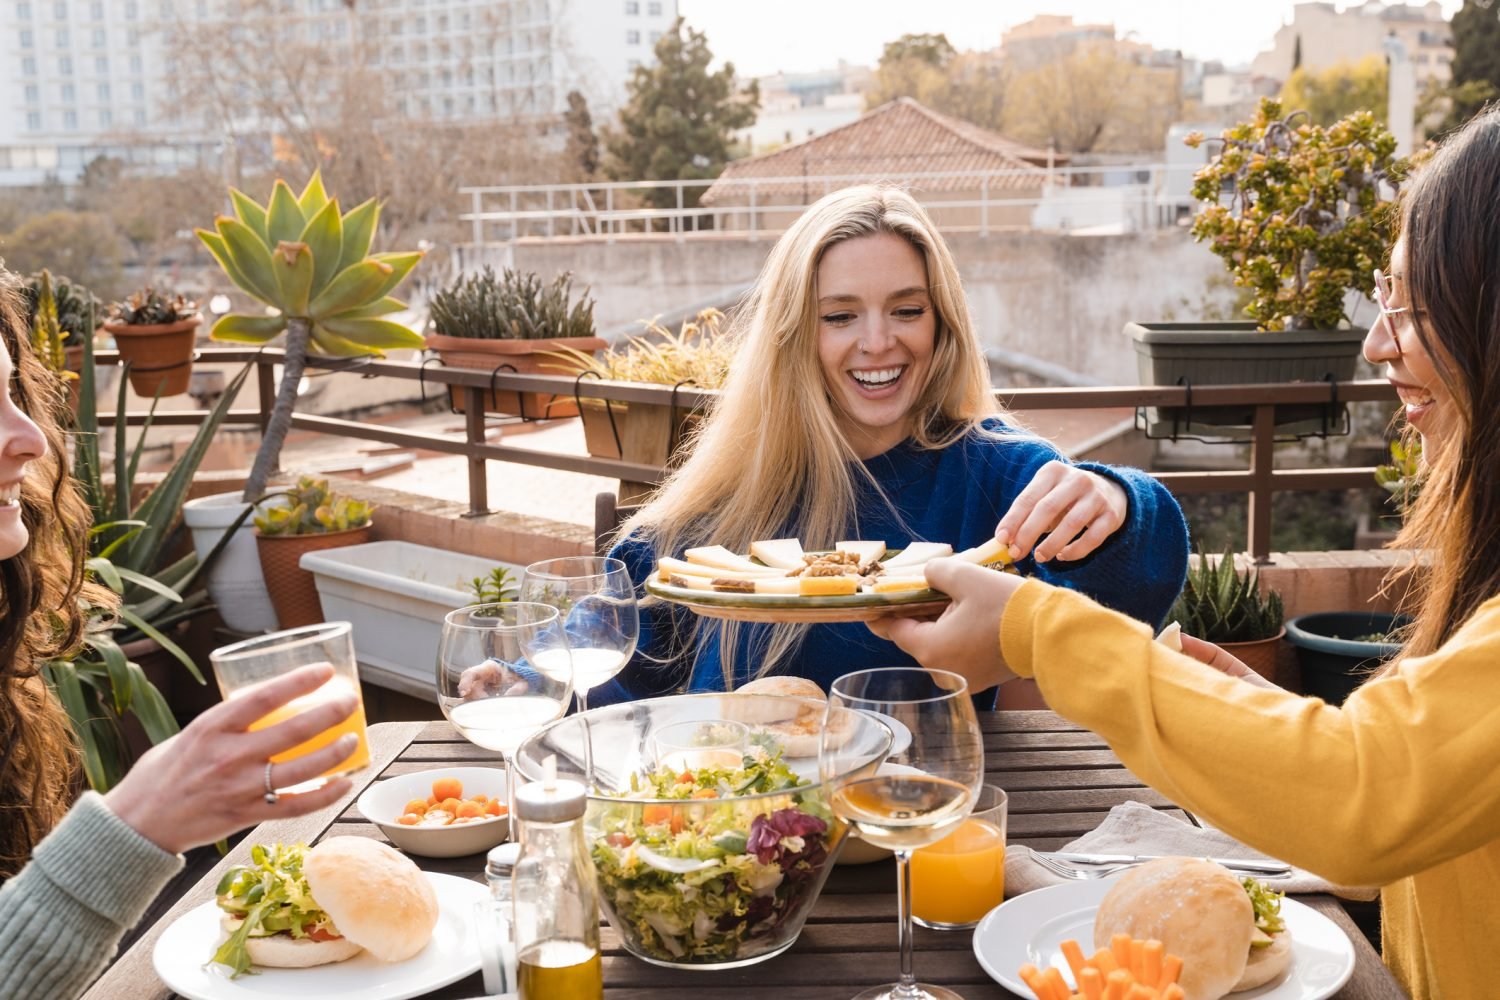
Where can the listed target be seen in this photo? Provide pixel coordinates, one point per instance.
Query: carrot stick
(1032, 977)
(1171, 968)
(1117, 985)
(1139, 992)
(1151, 955)
(1137, 959)
(1074, 954)
(1055, 982)
(1173, 992)
(1091, 983)
(1120, 945)
(1104, 961)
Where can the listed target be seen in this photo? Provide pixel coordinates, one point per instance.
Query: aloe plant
(312, 265)
(1220, 604)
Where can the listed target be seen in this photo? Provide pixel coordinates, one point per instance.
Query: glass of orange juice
(959, 879)
(247, 663)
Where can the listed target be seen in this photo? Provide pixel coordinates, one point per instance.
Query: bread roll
(1199, 912)
(1267, 964)
(282, 951)
(376, 896)
(787, 698)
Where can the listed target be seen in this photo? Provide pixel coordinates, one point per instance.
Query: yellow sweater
(1399, 788)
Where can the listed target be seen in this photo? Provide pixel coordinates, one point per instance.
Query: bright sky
(768, 36)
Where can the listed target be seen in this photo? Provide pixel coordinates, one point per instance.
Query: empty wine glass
(596, 599)
(503, 672)
(914, 805)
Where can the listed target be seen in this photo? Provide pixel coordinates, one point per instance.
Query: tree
(680, 120)
(969, 85)
(1093, 100)
(85, 246)
(582, 150)
(1476, 58)
(1339, 91)
(934, 50)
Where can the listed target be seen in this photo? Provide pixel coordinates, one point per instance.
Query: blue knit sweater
(956, 495)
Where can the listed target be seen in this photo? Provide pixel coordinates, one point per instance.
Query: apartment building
(1321, 35)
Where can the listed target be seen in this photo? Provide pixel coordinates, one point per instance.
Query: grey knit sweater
(86, 884)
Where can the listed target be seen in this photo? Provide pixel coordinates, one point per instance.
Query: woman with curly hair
(80, 870)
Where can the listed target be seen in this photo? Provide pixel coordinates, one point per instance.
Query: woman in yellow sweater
(1401, 786)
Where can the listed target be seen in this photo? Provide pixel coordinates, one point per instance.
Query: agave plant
(313, 267)
(1220, 604)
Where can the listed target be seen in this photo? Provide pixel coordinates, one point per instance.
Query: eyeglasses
(1385, 289)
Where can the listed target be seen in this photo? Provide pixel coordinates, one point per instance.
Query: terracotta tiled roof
(900, 137)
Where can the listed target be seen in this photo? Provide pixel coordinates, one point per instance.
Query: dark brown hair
(39, 613)
(1451, 225)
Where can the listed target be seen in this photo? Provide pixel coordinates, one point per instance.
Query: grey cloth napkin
(1136, 828)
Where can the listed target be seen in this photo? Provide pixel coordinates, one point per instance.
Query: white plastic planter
(396, 594)
(235, 581)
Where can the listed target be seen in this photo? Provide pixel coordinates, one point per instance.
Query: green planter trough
(1333, 652)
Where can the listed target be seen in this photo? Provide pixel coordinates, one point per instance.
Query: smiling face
(21, 442)
(1393, 344)
(876, 329)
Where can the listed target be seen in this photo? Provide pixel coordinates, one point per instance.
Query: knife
(1256, 867)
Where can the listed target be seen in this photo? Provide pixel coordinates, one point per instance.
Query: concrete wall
(1060, 298)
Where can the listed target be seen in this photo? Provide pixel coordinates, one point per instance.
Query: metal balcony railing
(1260, 480)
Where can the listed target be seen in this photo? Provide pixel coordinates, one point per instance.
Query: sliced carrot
(1104, 961)
(1074, 955)
(1139, 992)
(1117, 985)
(1151, 955)
(1091, 983)
(1055, 982)
(1032, 977)
(1173, 992)
(653, 815)
(1137, 959)
(1171, 968)
(1120, 945)
(706, 793)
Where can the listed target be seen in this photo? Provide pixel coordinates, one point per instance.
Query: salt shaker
(497, 949)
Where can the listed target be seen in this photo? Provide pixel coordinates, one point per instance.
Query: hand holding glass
(244, 664)
(596, 599)
(905, 808)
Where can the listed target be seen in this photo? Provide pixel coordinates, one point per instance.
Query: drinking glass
(503, 672)
(247, 663)
(686, 746)
(596, 599)
(912, 806)
(959, 879)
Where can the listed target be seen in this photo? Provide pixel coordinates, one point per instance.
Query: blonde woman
(859, 406)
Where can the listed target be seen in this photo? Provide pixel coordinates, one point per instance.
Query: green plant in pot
(512, 321)
(155, 332)
(1225, 606)
(1301, 215)
(60, 316)
(129, 654)
(311, 265)
(309, 517)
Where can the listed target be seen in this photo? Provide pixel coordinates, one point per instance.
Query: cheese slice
(897, 584)
(828, 586)
(987, 552)
(916, 554)
(868, 552)
(719, 557)
(782, 553)
(779, 585)
(667, 565)
(691, 582)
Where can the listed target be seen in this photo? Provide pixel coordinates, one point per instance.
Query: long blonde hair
(771, 457)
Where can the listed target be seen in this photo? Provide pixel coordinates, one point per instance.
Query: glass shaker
(497, 948)
(556, 898)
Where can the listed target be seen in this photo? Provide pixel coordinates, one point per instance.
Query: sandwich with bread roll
(1228, 931)
(294, 907)
(790, 711)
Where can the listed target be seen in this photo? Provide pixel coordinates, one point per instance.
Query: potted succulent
(1224, 606)
(312, 518)
(79, 312)
(1337, 651)
(155, 332)
(48, 342)
(1309, 213)
(697, 355)
(512, 321)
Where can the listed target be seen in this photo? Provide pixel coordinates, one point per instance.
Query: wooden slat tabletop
(1061, 781)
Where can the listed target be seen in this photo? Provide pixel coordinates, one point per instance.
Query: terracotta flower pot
(294, 592)
(1258, 654)
(160, 355)
(527, 357)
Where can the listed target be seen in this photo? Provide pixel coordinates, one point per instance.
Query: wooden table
(1061, 781)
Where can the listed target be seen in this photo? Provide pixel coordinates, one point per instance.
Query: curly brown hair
(40, 615)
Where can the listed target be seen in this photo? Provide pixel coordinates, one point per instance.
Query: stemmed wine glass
(596, 599)
(913, 805)
(503, 672)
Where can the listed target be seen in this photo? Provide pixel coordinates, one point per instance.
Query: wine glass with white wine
(596, 599)
(503, 672)
(917, 797)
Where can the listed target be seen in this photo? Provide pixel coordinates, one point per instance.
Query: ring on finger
(271, 797)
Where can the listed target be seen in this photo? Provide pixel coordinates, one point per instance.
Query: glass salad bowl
(709, 854)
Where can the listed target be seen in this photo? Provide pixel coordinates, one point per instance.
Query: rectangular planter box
(1236, 353)
(396, 594)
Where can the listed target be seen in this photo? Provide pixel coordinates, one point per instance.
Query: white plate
(1031, 928)
(185, 947)
(900, 735)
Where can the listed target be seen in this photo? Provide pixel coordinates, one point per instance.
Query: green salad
(703, 876)
(272, 896)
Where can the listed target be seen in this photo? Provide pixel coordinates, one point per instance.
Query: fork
(1068, 871)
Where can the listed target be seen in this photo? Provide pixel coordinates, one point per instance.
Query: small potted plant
(512, 322)
(697, 355)
(1337, 651)
(79, 312)
(1226, 607)
(155, 332)
(310, 518)
(1309, 213)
